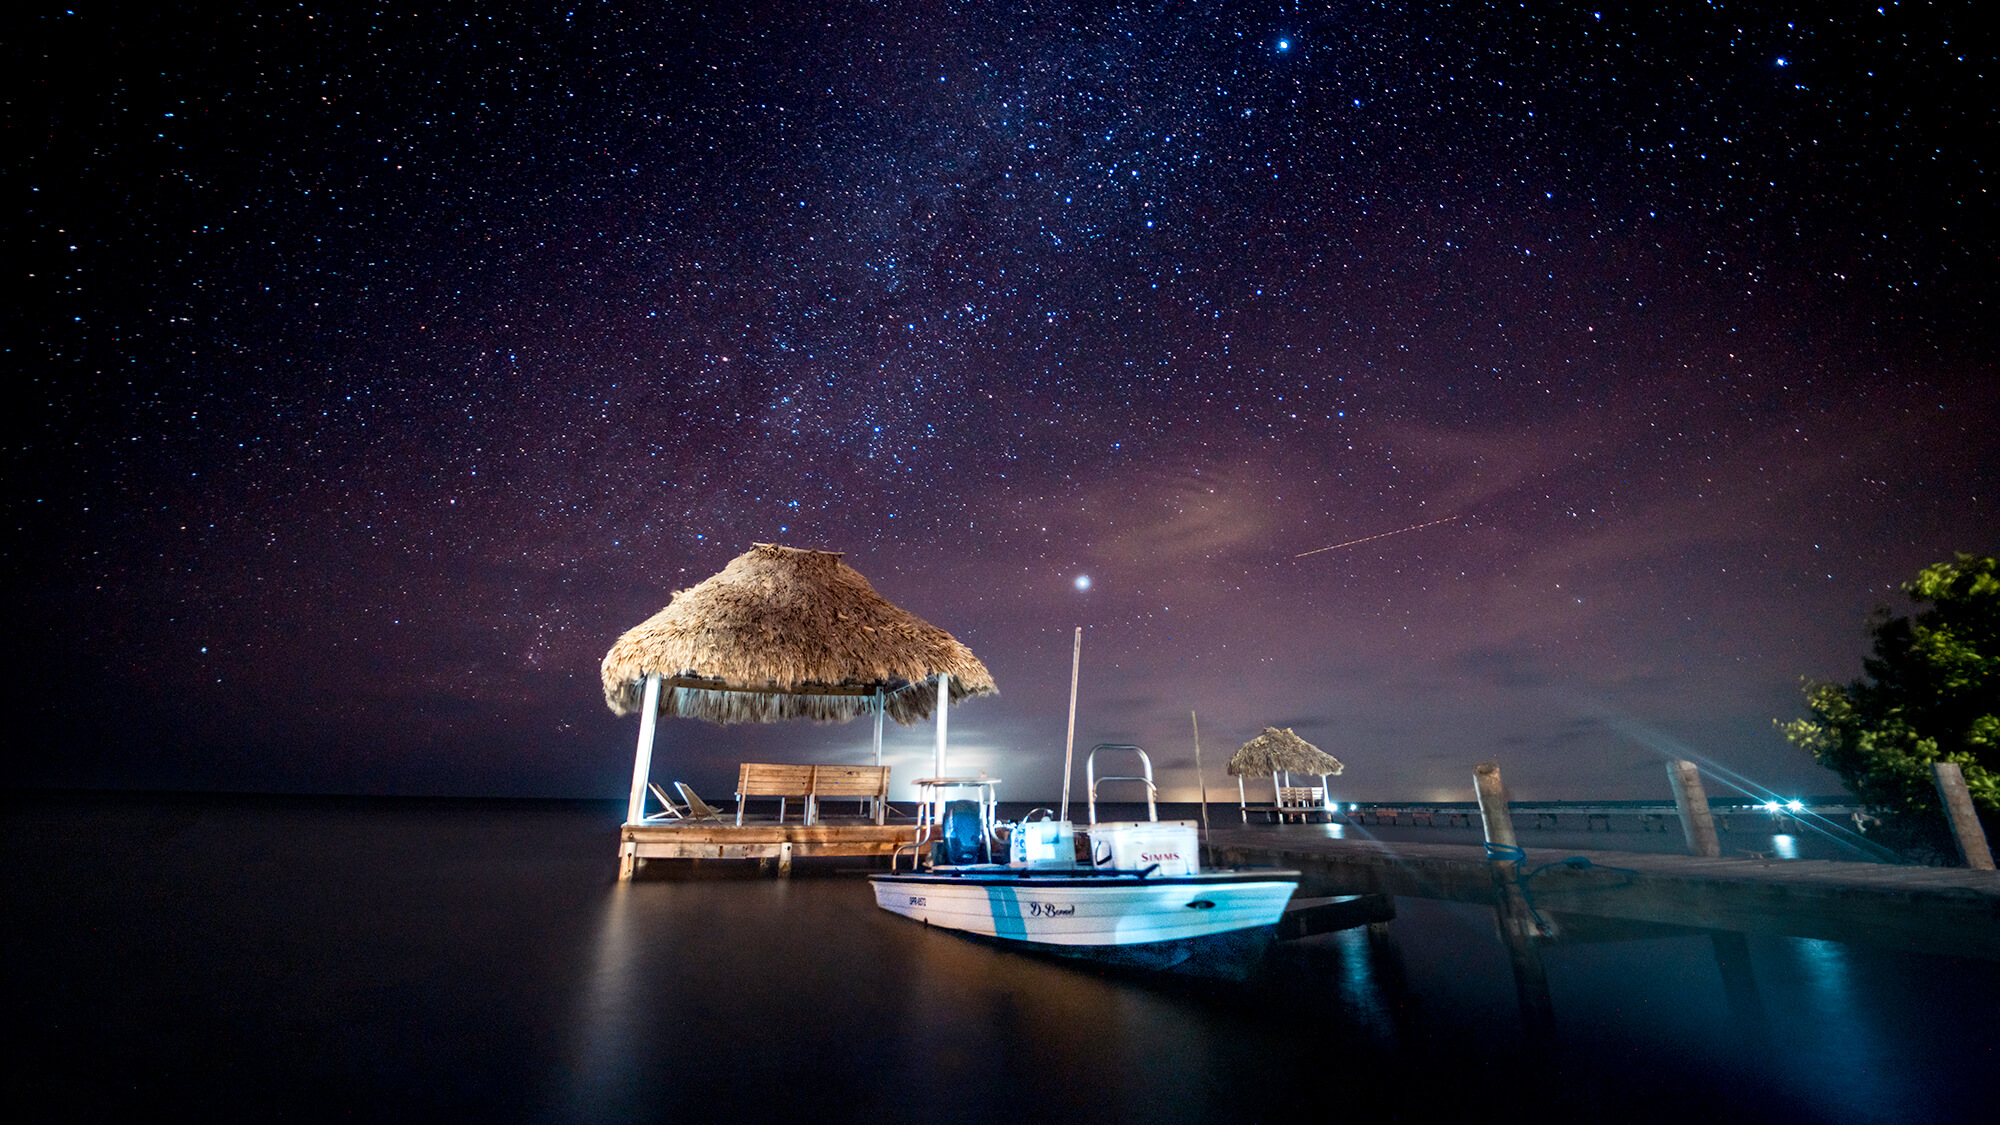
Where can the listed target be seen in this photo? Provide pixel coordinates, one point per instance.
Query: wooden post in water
(1492, 794)
(1964, 820)
(1518, 928)
(1697, 823)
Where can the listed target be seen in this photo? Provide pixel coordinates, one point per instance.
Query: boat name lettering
(1051, 910)
(915, 901)
(1159, 857)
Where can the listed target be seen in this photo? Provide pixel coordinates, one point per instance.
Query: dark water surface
(309, 959)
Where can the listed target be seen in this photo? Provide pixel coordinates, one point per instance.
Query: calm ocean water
(304, 959)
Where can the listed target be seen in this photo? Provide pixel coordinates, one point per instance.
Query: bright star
(1284, 44)
(1083, 581)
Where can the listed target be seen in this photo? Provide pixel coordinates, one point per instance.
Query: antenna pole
(1069, 747)
(1199, 776)
(943, 713)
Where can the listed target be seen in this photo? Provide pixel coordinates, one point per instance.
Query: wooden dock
(1950, 911)
(1650, 816)
(780, 842)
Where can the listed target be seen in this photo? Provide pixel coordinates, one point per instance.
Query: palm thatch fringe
(781, 634)
(1280, 750)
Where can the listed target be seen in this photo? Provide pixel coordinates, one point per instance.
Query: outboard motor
(964, 835)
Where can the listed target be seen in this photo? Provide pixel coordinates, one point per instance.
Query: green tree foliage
(1931, 693)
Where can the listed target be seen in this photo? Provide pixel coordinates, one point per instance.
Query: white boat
(1130, 893)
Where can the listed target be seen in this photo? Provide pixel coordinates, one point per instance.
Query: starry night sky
(375, 367)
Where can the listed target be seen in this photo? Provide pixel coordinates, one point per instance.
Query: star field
(378, 366)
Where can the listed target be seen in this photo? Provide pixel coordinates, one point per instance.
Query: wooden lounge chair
(697, 809)
(670, 811)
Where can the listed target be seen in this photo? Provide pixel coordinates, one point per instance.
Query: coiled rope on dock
(1509, 853)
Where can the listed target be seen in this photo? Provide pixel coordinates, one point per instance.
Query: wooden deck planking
(1947, 911)
(763, 841)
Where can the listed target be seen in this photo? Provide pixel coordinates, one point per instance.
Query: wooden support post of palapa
(1964, 821)
(1518, 927)
(1697, 823)
(642, 768)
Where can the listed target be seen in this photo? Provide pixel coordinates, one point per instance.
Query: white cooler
(1137, 845)
(1043, 843)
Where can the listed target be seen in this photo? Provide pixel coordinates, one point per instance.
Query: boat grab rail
(900, 849)
(930, 822)
(1091, 779)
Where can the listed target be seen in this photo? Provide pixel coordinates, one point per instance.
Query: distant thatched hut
(1277, 752)
(781, 634)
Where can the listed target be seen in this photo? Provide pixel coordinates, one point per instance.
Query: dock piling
(1697, 823)
(1492, 794)
(1516, 919)
(1958, 809)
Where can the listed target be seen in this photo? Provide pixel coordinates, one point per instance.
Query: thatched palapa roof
(782, 634)
(1280, 750)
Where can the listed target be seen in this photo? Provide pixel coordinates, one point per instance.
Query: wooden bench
(1302, 801)
(809, 784)
(757, 779)
(868, 784)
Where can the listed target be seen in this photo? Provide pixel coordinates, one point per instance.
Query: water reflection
(480, 963)
(1830, 990)
(1739, 986)
(1371, 980)
(1833, 1053)
(1784, 846)
(603, 1073)
(748, 994)
(755, 986)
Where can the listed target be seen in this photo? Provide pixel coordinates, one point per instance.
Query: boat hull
(1231, 956)
(1078, 913)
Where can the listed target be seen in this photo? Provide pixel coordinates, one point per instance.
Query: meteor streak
(1384, 535)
